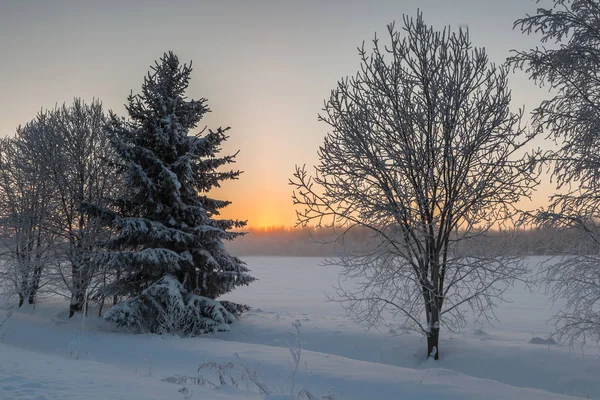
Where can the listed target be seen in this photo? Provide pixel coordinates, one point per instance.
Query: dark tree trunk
(76, 303)
(435, 305)
(101, 306)
(24, 286)
(115, 299)
(432, 343)
(78, 291)
(103, 295)
(35, 285)
(434, 333)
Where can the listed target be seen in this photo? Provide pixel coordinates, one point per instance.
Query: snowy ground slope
(30, 375)
(38, 349)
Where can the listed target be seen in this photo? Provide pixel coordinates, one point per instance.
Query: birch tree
(568, 63)
(423, 151)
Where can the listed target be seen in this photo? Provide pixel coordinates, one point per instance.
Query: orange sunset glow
(260, 213)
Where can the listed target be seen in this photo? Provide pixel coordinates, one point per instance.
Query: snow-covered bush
(167, 308)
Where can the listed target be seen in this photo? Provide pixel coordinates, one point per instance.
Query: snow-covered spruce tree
(167, 250)
(571, 116)
(425, 154)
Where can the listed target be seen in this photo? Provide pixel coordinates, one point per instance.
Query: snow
(38, 348)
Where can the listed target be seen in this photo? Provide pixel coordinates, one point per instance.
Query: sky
(265, 67)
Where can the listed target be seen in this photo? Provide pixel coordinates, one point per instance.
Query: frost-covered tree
(425, 153)
(25, 212)
(69, 146)
(570, 68)
(165, 224)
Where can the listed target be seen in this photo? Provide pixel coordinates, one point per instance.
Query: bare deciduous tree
(570, 67)
(25, 207)
(425, 152)
(71, 146)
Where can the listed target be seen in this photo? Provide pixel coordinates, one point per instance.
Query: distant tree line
(311, 242)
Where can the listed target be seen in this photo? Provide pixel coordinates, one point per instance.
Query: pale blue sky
(264, 66)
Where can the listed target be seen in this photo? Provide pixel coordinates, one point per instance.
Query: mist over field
(325, 242)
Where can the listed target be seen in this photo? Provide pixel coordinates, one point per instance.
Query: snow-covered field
(43, 355)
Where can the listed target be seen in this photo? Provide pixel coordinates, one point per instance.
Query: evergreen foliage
(166, 307)
(165, 224)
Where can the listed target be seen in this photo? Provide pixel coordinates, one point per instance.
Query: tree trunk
(103, 294)
(433, 335)
(78, 290)
(34, 285)
(432, 343)
(25, 290)
(102, 299)
(24, 285)
(76, 303)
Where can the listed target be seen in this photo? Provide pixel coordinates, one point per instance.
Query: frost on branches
(571, 68)
(165, 225)
(425, 153)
